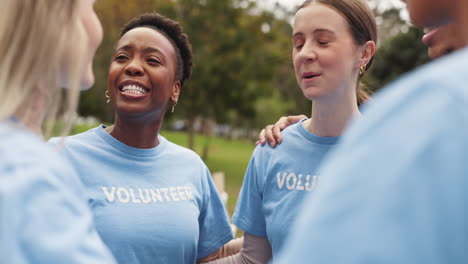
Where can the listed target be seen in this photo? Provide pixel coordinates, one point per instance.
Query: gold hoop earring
(107, 96)
(173, 106)
(362, 70)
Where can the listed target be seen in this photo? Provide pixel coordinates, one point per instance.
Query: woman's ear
(175, 91)
(368, 52)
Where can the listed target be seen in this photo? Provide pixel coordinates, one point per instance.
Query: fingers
(280, 125)
(269, 135)
(261, 138)
(272, 133)
(294, 119)
(266, 135)
(284, 122)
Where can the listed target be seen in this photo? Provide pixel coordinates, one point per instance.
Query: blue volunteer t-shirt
(396, 189)
(154, 205)
(276, 182)
(44, 217)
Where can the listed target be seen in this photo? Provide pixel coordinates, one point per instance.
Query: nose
(134, 68)
(308, 53)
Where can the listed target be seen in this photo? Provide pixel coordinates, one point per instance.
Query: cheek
(330, 59)
(341, 58)
(427, 13)
(415, 13)
(296, 63)
(96, 33)
(112, 77)
(92, 26)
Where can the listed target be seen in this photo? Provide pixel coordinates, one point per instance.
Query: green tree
(397, 56)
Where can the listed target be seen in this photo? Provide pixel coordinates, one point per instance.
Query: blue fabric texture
(395, 190)
(154, 205)
(44, 216)
(276, 182)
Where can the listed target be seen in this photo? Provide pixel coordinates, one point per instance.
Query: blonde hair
(34, 35)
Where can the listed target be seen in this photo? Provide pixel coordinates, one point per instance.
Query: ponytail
(362, 94)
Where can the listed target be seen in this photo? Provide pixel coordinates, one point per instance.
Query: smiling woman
(153, 201)
(142, 77)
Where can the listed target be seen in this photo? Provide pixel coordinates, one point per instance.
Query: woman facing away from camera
(153, 201)
(44, 217)
(333, 45)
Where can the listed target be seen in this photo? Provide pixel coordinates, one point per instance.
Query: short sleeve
(46, 220)
(248, 214)
(215, 230)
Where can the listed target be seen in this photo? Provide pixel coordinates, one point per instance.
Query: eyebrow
(318, 30)
(145, 50)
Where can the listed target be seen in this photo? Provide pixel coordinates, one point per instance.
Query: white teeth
(133, 89)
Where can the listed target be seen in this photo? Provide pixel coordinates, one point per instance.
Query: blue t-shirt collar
(139, 152)
(314, 138)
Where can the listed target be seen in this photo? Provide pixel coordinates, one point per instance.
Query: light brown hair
(362, 26)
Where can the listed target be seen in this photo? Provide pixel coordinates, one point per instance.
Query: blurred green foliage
(241, 56)
(397, 56)
(242, 75)
(228, 156)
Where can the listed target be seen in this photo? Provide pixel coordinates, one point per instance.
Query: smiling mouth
(133, 89)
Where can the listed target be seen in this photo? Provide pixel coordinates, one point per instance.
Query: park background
(243, 78)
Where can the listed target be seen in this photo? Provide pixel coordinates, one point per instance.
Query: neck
(330, 116)
(136, 133)
(33, 117)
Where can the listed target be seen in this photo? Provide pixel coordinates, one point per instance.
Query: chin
(130, 109)
(312, 94)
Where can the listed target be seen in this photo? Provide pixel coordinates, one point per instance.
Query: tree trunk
(208, 130)
(191, 132)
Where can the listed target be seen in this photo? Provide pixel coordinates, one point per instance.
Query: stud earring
(107, 96)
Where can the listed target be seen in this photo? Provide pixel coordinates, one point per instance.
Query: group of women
(124, 193)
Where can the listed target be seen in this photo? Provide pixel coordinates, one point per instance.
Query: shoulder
(79, 138)
(28, 162)
(410, 119)
(22, 147)
(434, 94)
(291, 137)
(440, 82)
